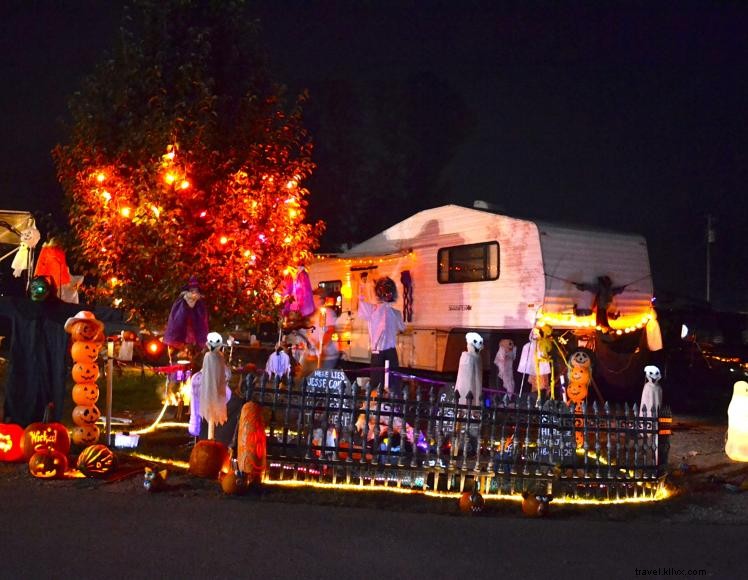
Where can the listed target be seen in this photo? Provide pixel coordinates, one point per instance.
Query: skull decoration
(652, 374)
(475, 341)
(215, 340)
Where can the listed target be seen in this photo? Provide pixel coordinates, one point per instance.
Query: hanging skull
(474, 340)
(214, 340)
(652, 373)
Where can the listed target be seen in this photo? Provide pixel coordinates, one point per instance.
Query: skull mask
(214, 340)
(652, 373)
(475, 341)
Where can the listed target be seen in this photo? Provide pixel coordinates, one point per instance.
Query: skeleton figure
(652, 392)
(470, 371)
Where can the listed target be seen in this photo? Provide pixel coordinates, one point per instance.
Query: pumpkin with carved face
(580, 358)
(86, 415)
(97, 461)
(85, 330)
(85, 351)
(85, 372)
(10, 442)
(535, 505)
(85, 394)
(85, 435)
(48, 464)
(579, 382)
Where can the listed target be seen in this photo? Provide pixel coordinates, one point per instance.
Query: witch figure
(188, 320)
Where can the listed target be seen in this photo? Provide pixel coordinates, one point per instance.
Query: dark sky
(626, 117)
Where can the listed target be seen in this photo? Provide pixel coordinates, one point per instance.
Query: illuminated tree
(184, 159)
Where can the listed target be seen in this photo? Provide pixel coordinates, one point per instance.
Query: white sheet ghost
(470, 371)
(652, 391)
(504, 361)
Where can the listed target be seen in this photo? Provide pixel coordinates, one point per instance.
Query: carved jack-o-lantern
(48, 464)
(471, 502)
(45, 435)
(84, 372)
(86, 415)
(97, 461)
(85, 351)
(10, 442)
(578, 388)
(85, 435)
(85, 394)
(580, 358)
(85, 330)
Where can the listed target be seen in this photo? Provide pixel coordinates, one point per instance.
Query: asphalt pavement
(59, 530)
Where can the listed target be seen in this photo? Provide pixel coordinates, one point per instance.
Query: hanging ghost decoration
(504, 362)
(470, 370)
(29, 239)
(652, 391)
(213, 384)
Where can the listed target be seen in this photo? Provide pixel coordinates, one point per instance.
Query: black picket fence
(432, 439)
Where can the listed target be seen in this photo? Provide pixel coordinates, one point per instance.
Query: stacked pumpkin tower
(87, 334)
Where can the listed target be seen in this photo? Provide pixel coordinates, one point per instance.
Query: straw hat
(83, 316)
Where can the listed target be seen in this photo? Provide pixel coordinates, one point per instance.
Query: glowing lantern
(125, 211)
(48, 464)
(100, 177)
(736, 447)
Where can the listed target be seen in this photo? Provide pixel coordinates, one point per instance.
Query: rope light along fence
(434, 440)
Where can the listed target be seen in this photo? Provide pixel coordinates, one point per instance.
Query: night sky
(625, 117)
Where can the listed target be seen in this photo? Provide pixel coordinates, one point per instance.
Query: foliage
(185, 159)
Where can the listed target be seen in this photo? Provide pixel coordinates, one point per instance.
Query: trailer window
(470, 263)
(333, 289)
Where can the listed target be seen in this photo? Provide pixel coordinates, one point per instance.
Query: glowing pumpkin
(578, 388)
(208, 458)
(86, 415)
(97, 461)
(85, 394)
(85, 351)
(85, 435)
(84, 372)
(251, 442)
(48, 464)
(45, 435)
(471, 502)
(10, 442)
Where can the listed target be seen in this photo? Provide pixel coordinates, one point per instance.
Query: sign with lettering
(333, 381)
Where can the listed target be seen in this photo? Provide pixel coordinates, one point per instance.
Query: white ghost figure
(29, 239)
(213, 385)
(652, 391)
(470, 371)
(504, 361)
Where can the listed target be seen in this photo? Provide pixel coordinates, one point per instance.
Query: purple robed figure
(188, 319)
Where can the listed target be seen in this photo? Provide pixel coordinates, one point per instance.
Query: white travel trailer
(473, 270)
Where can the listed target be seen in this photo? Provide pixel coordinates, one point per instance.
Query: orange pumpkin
(85, 435)
(86, 415)
(471, 502)
(208, 458)
(10, 442)
(535, 506)
(84, 372)
(85, 351)
(578, 388)
(233, 483)
(48, 464)
(45, 435)
(251, 442)
(85, 394)
(86, 330)
(97, 461)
